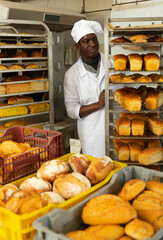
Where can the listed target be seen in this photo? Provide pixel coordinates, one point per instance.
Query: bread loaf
(155, 125)
(137, 127)
(17, 78)
(14, 111)
(79, 163)
(2, 90)
(9, 147)
(139, 38)
(138, 229)
(154, 99)
(154, 143)
(39, 107)
(132, 188)
(39, 86)
(20, 100)
(3, 67)
(122, 151)
(20, 54)
(33, 183)
(51, 169)
(132, 102)
(151, 155)
(15, 123)
(15, 66)
(151, 62)
(71, 184)
(99, 169)
(120, 62)
(108, 209)
(17, 88)
(32, 66)
(135, 149)
(36, 53)
(122, 126)
(135, 61)
(155, 186)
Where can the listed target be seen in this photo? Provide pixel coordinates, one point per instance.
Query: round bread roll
(155, 186)
(37, 184)
(79, 163)
(105, 231)
(108, 209)
(20, 54)
(132, 188)
(25, 202)
(50, 170)
(36, 54)
(99, 169)
(139, 229)
(79, 235)
(52, 197)
(7, 191)
(158, 223)
(71, 184)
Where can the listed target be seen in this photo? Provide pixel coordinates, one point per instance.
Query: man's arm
(88, 109)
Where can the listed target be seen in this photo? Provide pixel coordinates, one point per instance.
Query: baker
(84, 85)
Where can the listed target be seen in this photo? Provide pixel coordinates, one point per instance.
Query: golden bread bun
(132, 188)
(36, 54)
(52, 197)
(155, 186)
(80, 235)
(50, 170)
(108, 209)
(15, 66)
(106, 231)
(32, 66)
(6, 191)
(158, 223)
(36, 184)
(139, 229)
(20, 54)
(79, 163)
(25, 202)
(71, 184)
(99, 169)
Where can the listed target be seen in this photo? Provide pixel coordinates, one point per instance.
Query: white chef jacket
(82, 87)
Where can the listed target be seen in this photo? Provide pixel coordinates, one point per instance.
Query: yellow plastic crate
(19, 227)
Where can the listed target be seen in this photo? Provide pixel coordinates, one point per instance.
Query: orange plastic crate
(48, 145)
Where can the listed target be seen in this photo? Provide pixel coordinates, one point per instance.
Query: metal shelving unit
(28, 36)
(112, 108)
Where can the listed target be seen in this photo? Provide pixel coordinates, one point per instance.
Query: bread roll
(50, 170)
(52, 197)
(17, 88)
(122, 126)
(154, 99)
(135, 149)
(139, 229)
(99, 169)
(36, 53)
(120, 62)
(137, 127)
(20, 100)
(105, 231)
(79, 234)
(135, 61)
(155, 186)
(79, 163)
(33, 183)
(152, 62)
(151, 155)
(38, 107)
(125, 238)
(15, 66)
(25, 202)
(107, 209)
(14, 111)
(122, 151)
(155, 125)
(132, 188)
(71, 184)
(20, 54)
(7, 191)
(15, 123)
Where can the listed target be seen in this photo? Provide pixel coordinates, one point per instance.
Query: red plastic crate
(46, 145)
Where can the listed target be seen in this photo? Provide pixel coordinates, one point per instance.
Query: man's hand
(102, 98)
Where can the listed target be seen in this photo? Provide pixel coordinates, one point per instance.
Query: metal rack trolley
(36, 36)
(111, 107)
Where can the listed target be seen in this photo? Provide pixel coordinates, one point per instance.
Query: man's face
(88, 46)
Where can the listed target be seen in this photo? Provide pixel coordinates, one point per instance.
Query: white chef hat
(84, 27)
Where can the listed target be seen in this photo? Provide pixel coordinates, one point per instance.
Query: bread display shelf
(121, 84)
(138, 44)
(24, 116)
(25, 70)
(27, 58)
(24, 93)
(30, 46)
(142, 71)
